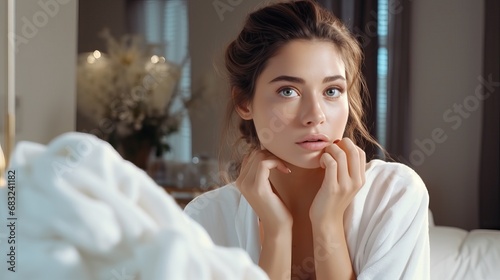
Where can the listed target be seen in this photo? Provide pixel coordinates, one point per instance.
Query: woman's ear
(244, 110)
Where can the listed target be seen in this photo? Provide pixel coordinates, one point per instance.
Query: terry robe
(386, 224)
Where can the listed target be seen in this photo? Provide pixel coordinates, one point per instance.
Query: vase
(136, 150)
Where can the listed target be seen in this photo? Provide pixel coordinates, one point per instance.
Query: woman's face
(300, 104)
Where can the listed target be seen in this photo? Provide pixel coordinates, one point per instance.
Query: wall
(211, 30)
(94, 16)
(45, 68)
(446, 61)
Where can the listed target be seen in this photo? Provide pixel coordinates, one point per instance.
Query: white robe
(386, 225)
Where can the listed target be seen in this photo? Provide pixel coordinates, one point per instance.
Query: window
(382, 66)
(164, 25)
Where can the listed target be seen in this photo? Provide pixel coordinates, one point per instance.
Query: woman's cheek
(338, 118)
(264, 130)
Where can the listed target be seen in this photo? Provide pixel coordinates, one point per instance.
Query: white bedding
(457, 254)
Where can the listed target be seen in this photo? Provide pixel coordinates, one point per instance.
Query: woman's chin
(306, 163)
(309, 166)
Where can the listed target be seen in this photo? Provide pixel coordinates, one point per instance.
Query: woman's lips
(314, 145)
(314, 142)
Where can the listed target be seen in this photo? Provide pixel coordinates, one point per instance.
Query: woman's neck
(298, 189)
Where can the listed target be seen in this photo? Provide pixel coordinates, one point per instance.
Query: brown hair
(264, 33)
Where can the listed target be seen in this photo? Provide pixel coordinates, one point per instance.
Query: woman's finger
(352, 155)
(362, 167)
(330, 165)
(258, 166)
(341, 161)
(281, 166)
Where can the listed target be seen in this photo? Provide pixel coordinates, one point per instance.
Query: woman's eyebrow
(333, 78)
(301, 81)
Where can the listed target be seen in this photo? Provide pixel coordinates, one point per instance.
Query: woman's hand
(253, 182)
(344, 165)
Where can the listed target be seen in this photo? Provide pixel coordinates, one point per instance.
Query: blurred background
(432, 69)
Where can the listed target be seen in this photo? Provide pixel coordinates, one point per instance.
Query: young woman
(305, 204)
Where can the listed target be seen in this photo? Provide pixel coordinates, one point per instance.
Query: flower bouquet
(129, 91)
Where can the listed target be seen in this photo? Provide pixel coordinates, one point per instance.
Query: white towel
(85, 213)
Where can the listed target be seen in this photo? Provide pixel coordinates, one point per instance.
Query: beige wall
(446, 61)
(96, 15)
(45, 68)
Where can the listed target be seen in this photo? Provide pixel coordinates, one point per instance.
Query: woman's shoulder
(226, 197)
(393, 195)
(388, 167)
(395, 177)
(217, 211)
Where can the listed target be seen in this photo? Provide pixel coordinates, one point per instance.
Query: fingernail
(336, 141)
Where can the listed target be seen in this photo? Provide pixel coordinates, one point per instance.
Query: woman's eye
(288, 92)
(333, 92)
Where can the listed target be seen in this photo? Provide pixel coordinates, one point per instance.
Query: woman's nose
(312, 112)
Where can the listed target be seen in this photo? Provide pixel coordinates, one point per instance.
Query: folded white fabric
(85, 213)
